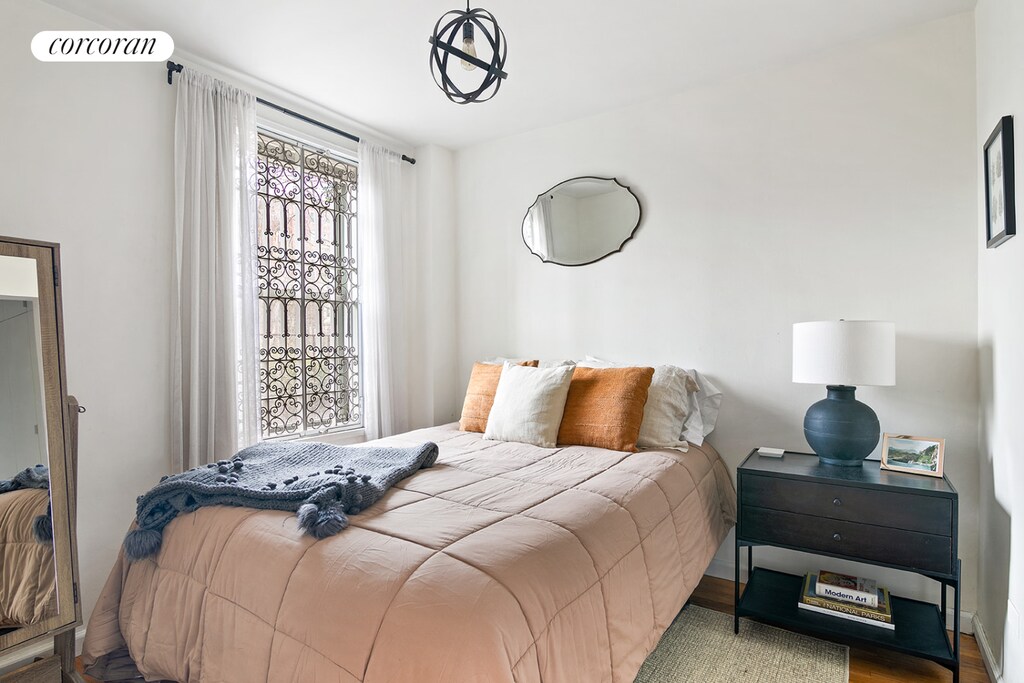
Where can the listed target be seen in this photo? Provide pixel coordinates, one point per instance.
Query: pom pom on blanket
(321, 522)
(307, 515)
(140, 543)
(42, 527)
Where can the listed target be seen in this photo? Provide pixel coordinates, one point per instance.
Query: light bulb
(468, 45)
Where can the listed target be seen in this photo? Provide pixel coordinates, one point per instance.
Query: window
(308, 298)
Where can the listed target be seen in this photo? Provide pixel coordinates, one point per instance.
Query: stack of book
(847, 597)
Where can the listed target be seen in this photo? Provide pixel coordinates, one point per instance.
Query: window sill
(344, 437)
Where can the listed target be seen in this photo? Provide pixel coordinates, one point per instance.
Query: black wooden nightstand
(889, 519)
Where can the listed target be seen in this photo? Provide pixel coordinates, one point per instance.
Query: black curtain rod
(173, 68)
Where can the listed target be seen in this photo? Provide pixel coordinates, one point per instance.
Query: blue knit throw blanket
(321, 482)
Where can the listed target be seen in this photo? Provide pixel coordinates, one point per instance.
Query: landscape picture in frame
(913, 454)
(1000, 211)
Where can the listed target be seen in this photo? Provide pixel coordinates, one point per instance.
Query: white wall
(87, 163)
(1000, 24)
(433, 332)
(842, 186)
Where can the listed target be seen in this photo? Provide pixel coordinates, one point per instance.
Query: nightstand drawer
(909, 549)
(925, 514)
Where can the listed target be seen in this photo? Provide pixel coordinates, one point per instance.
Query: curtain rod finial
(172, 68)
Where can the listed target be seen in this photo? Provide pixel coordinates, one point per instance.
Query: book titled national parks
(880, 616)
(913, 454)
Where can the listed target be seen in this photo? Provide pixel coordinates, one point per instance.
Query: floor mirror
(39, 599)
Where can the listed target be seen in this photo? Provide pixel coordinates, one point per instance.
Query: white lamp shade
(846, 352)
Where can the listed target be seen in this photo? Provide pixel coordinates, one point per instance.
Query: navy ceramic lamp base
(841, 429)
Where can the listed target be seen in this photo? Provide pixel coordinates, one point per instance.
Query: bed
(503, 562)
(28, 591)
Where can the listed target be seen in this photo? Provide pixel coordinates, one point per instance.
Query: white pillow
(528, 404)
(667, 405)
(704, 407)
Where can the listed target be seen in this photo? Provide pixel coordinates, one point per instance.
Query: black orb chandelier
(464, 27)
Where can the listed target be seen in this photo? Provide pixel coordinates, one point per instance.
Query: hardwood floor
(88, 679)
(867, 665)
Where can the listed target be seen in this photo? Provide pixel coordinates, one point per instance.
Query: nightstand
(888, 519)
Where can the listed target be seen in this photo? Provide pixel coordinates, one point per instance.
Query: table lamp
(843, 354)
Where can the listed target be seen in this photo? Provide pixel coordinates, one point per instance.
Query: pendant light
(455, 35)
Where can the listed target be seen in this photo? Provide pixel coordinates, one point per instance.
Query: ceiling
(367, 59)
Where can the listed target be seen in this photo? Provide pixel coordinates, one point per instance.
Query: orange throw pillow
(605, 408)
(483, 382)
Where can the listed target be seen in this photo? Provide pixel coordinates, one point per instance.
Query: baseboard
(721, 569)
(22, 656)
(995, 671)
(966, 621)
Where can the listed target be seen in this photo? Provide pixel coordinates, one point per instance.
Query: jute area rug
(700, 646)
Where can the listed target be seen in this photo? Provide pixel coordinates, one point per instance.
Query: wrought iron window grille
(307, 274)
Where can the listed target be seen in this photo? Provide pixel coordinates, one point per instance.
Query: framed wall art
(1000, 213)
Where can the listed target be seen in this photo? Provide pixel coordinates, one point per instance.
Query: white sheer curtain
(214, 344)
(539, 237)
(382, 285)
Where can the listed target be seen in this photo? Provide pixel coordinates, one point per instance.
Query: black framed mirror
(581, 221)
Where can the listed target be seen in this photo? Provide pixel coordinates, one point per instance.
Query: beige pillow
(666, 409)
(605, 408)
(483, 382)
(528, 404)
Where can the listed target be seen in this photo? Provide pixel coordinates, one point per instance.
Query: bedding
(28, 591)
(503, 562)
(483, 382)
(35, 477)
(275, 475)
(528, 404)
(605, 407)
(669, 405)
(550, 363)
(704, 407)
(704, 400)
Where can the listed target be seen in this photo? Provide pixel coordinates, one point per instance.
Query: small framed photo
(1000, 213)
(913, 454)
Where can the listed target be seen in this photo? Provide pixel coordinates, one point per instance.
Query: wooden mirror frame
(62, 441)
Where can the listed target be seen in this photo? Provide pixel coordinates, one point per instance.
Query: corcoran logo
(102, 46)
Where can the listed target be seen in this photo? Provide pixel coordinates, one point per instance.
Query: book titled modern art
(880, 616)
(853, 589)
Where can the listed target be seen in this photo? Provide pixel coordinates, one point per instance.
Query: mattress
(28, 589)
(503, 562)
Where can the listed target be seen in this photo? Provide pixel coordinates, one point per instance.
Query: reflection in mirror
(581, 221)
(28, 592)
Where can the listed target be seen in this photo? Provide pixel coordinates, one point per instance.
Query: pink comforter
(504, 562)
(28, 588)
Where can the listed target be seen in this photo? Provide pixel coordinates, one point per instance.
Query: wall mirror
(38, 583)
(581, 221)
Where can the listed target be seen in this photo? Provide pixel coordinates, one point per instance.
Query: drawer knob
(836, 537)
(837, 502)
